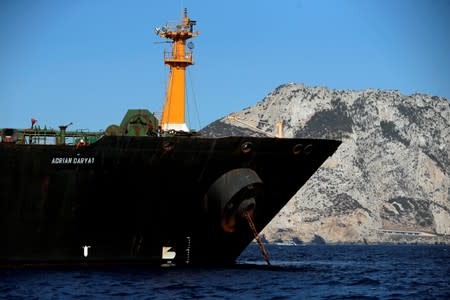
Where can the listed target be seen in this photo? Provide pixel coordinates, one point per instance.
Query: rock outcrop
(389, 181)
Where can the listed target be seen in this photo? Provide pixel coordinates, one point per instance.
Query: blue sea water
(297, 272)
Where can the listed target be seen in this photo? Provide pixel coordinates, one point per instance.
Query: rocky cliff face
(388, 182)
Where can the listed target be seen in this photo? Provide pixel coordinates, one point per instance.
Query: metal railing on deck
(175, 57)
(51, 136)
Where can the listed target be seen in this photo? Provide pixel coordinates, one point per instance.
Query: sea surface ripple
(297, 272)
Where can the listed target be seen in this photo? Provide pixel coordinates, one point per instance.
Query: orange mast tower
(173, 115)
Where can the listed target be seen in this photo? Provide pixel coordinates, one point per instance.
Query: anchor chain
(263, 249)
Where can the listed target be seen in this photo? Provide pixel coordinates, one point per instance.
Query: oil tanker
(146, 191)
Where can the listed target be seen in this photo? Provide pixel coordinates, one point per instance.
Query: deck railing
(175, 57)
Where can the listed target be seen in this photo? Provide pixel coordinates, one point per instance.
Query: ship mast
(173, 115)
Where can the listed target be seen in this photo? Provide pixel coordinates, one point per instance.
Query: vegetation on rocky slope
(388, 182)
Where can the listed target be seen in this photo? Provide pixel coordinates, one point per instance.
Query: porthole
(246, 147)
(297, 149)
(308, 149)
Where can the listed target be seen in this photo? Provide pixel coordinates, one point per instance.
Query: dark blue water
(297, 272)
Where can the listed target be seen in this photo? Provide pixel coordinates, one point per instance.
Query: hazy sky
(88, 61)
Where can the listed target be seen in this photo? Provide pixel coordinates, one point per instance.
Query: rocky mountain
(389, 181)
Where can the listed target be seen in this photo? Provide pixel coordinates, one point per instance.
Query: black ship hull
(137, 199)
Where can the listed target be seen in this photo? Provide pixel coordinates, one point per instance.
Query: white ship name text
(73, 160)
